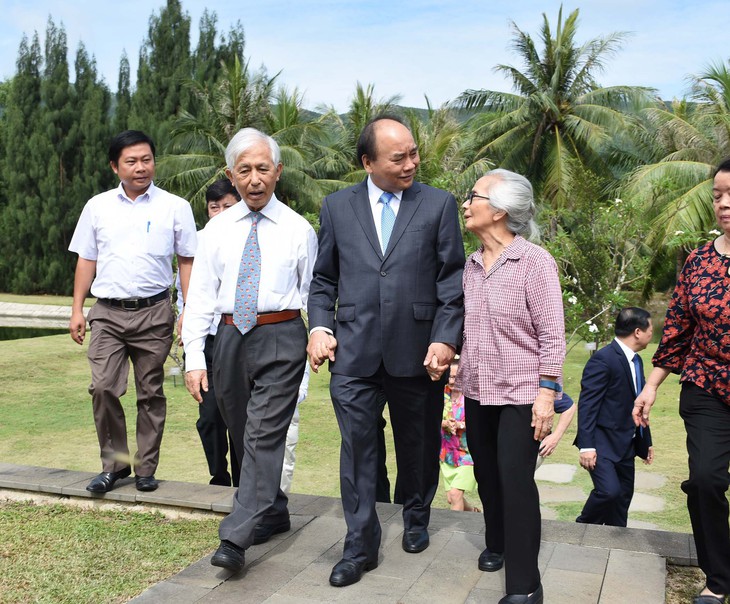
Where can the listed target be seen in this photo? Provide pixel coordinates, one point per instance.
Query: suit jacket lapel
(364, 214)
(625, 365)
(409, 203)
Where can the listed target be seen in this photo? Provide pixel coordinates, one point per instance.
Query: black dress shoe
(263, 532)
(415, 541)
(535, 598)
(146, 483)
(490, 562)
(347, 572)
(708, 599)
(104, 482)
(228, 555)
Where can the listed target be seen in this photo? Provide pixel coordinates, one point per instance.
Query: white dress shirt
(374, 193)
(132, 242)
(288, 246)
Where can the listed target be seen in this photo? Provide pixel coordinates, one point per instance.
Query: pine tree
(22, 203)
(124, 96)
(164, 64)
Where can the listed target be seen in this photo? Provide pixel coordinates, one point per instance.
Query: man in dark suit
(386, 302)
(607, 438)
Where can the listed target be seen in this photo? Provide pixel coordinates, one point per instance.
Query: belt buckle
(130, 304)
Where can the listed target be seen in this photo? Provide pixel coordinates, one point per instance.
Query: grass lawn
(46, 420)
(60, 553)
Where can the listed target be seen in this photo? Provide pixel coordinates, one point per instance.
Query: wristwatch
(551, 384)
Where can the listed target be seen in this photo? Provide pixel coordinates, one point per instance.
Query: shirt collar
(272, 210)
(146, 196)
(626, 350)
(514, 251)
(374, 192)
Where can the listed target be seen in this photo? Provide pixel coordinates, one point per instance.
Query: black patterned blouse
(696, 336)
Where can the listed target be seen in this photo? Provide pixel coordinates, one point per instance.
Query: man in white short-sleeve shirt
(125, 240)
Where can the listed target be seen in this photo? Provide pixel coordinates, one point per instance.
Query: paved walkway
(579, 563)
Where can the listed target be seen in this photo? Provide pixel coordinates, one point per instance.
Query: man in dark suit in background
(607, 438)
(390, 262)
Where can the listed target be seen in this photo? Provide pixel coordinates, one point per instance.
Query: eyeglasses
(472, 195)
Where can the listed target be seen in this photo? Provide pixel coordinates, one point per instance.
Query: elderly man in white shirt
(253, 266)
(125, 239)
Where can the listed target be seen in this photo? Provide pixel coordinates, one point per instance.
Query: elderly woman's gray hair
(246, 138)
(512, 193)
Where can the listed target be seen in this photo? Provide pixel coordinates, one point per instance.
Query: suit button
(383, 273)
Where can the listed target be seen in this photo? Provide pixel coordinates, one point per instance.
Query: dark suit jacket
(606, 401)
(388, 307)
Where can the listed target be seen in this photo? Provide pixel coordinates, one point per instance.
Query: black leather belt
(137, 303)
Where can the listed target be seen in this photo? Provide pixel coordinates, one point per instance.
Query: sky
(411, 48)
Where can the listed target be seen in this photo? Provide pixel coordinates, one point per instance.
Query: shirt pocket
(285, 277)
(159, 240)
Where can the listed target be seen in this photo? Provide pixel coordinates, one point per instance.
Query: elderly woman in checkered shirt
(510, 372)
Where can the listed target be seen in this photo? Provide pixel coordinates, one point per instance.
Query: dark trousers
(213, 432)
(415, 414)
(117, 336)
(257, 379)
(501, 443)
(613, 489)
(707, 421)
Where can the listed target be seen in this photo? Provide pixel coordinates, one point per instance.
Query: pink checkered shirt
(514, 329)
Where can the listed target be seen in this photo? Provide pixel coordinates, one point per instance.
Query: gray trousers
(117, 336)
(256, 378)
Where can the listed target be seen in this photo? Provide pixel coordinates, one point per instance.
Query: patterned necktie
(637, 369)
(387, 218)
(249, 275)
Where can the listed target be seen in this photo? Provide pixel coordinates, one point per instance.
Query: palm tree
(195, 157)
(683, 145)
(558, 113)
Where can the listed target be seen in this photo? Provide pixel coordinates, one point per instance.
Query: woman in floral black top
(696, 344)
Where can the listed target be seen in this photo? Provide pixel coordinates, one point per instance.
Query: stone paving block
(323, 506)
(640, 524)
(386, 511)
(649, 480)
(397, 563)
(664, 543)
(555, 494)
(298, 500)
(545, 556)
(451, 576)
(548, 513)
(201, 574)
(579, 558)
(123, 490)
(563, 532)
(484, 596)
(311, 541)
(467, 522)
(634, 577)
(185, 494)
(167, 592)
(224, 504)
(562, 586)
(257, 551)
(57, 480)
(561, 473)
(30, 478)
(641, 502)
(492, 582)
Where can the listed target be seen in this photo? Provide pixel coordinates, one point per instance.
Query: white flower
(714, 232)
(676, 233)
(573, 300)
(617, 201)
(575, 280)
(593, 328)
(589, 322)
